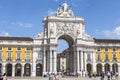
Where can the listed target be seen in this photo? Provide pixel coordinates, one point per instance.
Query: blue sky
(24, 17)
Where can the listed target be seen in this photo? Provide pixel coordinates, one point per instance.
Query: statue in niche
(51, 28)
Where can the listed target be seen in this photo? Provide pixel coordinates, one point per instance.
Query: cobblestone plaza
(65, 78)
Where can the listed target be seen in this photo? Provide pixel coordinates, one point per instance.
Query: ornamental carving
(66, 27)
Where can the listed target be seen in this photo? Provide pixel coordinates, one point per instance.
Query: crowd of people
(102, 75)
(3, 77)
(109, 75)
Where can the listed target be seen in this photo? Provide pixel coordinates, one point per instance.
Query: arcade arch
(89, 68)
(115, 67)
(39, 69)
(107, 67)
(18, 69)
(68, 51)
(99, 68)
(0, 68)
(27, 69)
(9, 69)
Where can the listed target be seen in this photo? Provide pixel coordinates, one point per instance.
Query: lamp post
(115, 65)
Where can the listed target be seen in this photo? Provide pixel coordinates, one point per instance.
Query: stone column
(4, 68)
(78, 63)
(51, 62)
(55, 62)
(82, 61)
(75, 62)
(13, 70)
(103, 68)
(94, 63)
(44, 62)
(22, 73)
(110, 67)
(35, 54)
(85, 56)
(119, 69)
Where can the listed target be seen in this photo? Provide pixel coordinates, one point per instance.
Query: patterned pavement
(64, 78)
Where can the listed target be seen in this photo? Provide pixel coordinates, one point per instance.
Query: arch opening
(18, 69)
(115, 68)
(27, 69)
(9, 69)
(99, 69)
(66, 50)
(39, 69)
(107, 68)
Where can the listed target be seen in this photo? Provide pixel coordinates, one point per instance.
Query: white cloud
(115, 33)
(20, 24)
(51, 12)
(5, 34)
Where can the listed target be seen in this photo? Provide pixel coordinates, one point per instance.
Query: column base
(33, 74)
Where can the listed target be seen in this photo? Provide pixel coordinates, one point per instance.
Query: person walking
(4, 76)
(108, 75)
(102, 76)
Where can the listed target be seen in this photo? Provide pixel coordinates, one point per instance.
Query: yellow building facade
(16, 56)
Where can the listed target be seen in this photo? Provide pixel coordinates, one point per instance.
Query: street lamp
(115, 65)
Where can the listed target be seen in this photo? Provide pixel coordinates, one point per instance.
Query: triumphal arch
(64, 25)
(24, 56)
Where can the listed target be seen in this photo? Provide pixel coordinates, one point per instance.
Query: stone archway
(115, 67)
(0, 68)
(39, 69)
(27, 69)
(69, 52)
(99, 69)
(89, 68)
(72, 29)
(18, 69)
(107, 67)
(9, 69)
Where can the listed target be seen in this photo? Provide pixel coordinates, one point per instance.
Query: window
(18, 56)
(114, 50)
(88, 57)
(27, 56)
(98, 49)
(39, 56)
(114, 55)
(106, 49)
(9, 56)
(9, 48)
(99, 56)
(0, 47)
(0, 55)
(18, 48)
(106, 56)
(28, 48)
